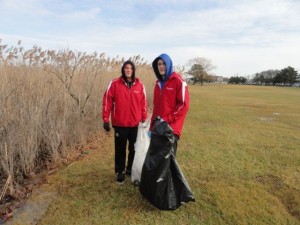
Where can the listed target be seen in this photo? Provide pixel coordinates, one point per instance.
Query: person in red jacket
(125, 103)
(171, 96)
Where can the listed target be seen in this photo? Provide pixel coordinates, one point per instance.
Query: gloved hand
(106, 126)
(149, 133)
(159, 118)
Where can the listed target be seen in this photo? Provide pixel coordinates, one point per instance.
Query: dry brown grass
(50, 102)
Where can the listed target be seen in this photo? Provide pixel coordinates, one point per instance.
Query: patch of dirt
(30, 211)
(265, 118)
(23, 190)
(289, 197)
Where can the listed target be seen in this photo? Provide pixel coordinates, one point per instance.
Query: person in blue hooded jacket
(171, 96)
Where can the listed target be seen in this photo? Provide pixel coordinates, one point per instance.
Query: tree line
(200, 72)
(285, 77)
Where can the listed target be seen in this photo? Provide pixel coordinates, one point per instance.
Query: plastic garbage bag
(141, 147)
(162, 181)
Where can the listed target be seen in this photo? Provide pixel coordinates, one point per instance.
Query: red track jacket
(171, 102)
(126, 106)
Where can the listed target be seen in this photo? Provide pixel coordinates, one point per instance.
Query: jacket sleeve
(107, 103)
(144, 104)
(182, 103)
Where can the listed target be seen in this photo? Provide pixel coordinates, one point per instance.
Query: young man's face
(161, 65)
(128, 70)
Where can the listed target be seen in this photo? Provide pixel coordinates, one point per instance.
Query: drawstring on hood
(133, 72)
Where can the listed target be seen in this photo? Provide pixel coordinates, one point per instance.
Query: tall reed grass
(50, 102)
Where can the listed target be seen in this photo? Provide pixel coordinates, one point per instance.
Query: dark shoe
(136, 183)
(120, 178)
(128, 172)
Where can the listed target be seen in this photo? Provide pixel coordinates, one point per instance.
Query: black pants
(122, 135)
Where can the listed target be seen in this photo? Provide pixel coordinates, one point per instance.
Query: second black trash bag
(162, 181)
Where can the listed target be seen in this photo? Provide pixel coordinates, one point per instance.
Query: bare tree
(180, 69)
(204, 62)
(200, 68)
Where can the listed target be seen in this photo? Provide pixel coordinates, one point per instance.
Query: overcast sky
(241, 37)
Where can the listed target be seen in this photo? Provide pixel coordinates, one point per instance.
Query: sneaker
(128, 172)
(120, 178)
(136, 183)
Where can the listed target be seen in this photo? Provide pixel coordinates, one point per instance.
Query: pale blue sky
(241, 37)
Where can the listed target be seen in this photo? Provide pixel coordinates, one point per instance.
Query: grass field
(239, 151)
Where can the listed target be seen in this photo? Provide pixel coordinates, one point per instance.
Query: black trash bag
(162, 181)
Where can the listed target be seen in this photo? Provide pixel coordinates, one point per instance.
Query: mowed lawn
(239, 151)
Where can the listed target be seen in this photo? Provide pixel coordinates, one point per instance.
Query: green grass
(239, 151)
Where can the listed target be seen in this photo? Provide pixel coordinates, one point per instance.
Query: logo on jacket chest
(169, 88)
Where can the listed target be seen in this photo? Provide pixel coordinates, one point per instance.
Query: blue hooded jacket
(169, 68)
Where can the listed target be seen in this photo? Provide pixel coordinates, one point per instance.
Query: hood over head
(123, 71)
(169, 66)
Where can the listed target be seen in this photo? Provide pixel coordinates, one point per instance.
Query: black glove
(106, 127)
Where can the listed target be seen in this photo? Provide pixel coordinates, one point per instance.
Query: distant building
(188, 78)
(220, 79)
(213, 79)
